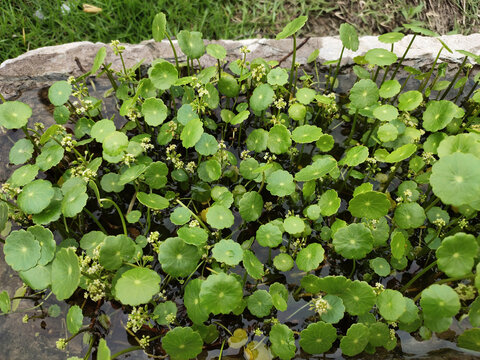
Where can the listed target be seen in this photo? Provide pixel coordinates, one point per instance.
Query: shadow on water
(37, 338)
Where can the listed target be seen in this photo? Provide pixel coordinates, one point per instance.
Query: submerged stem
(416, 277)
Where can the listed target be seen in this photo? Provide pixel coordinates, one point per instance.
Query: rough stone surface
(43, 66)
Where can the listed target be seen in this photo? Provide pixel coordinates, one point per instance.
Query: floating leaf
(305, 95)
(163, 311)
(115, 250)
(252, 265)
(35, 196)
(152, 201)
(355, 341)
(456, 254)
(380, 57)
(380, 266)
(353, 241)
(391, 304)
(228, 252)
(207, 145)
(318, 337)
(182, 343)
(283, 262)
(297, 111)
(219, 217)
(74, 319)
(280, 183)
(22, 251)
(269, 235)
(65, 273)
(310, 257)
(335, 309)
(178, 259)
(370, 205)
(196, 312)
(283, 342)
(260, 303)
(329, 203)
(306, 134)
(257, 140)
(74, 196)
(251, 206)
(137, 286)
(439, 301)
(358, 297)
(409, 216)
(293, 225)
(209, 170)
(318, 169)
(193, 235)
(221, 293)
(23, 175)
(385, 112)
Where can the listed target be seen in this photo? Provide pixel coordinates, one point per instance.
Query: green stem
(432, 204)
(90, 347)
(390, 178)
(95, 220)
(298, 310)
(292, 70)
(122, 218)
(219, 69)
(124, 351)
(352, 130)
(403, 57)
(337, 68)
(454, 78)
(195, 216)
(2, 98)
(416, 277)
(221, 350)
(430, 72)
(174, 52)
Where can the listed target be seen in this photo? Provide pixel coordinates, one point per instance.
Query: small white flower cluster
(190, 167)
(153, 240)
(406, 118)
(146, 144)
(463, 223)
(280, 103)
(68, 143)
(96, 290)
(143, 342)
(244, 50)
(128, 159)
(61, 344)
(84, 105)
(465, 292)
(84, 173)
(116, 47)
(245, 155)
(258, 332)
(172, 128)
(320, 305)
(408, 195)
(174, 157)
(170, 318)
(137, 318)
(133, 114)
(258, 72)
(9, 190)
(268, 205)
(269, 157)
(379, 288)
(39, 126)
(428, 157)
(439, 222)
(198, 104)
(194, 223)
(276, 121)
(329, 110)
(371, 160)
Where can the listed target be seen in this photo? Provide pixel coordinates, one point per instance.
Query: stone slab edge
(52, 63)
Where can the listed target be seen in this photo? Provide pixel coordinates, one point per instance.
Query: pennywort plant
(213, 204)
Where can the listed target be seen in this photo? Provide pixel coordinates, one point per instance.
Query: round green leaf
(178, 258)
(251, 206)
(387, 132)
(156, 175)
(464, 143)
(221, 293)
(470, 339)
(14, 114)
(260, 303)
(163, 75)
(335, 309)
(277, 76)
(180, 216)
(318, 169)
(52, 153)
(409, 100)
(35, 196)
(280, 183)
(262, 97)
(439, 301)
(252, 265)
(38, 277)
(456, 254)
(385, 112)
(269, 235)
(380, 266)
(193, 235)
(74, 319)
(23, 175)
(74, 196)
(293, 225)
(283, 341)
(257, 140)
(137, 286)
(329, 203)
(155, 111)
(349, 37)
(101, 129)
(217, 51)
(228, 85)
(358, 297)
(59, 92)
(364, 93)
(228, 252)
(391, 304)
(310, 257)
(191, 133)
(207, 145)
(209, 170)
(182, 343)
(22, 251)
(389, 89)
(305, 95)
(439, 114)
(297, 111)
(306, 134)
(115, 250)
(380, 57)
(115, 143)
(292, 27)
(191, 299)
(355, 156)
(191, 43)
(318, 337)
(370, 205)
(47, 243)
(159, 26)
(163, 310)
(355, 341)
(283, 262)
(152, 201)
(219, 217)
(391, 37)
(353, 241)
(65, 273)
(21, 152)
(409, 216)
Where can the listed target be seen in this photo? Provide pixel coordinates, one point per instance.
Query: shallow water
(37, 337)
